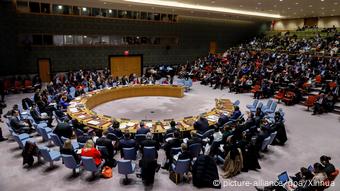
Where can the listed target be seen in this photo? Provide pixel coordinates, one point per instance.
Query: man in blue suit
(127, 142)
(142, 129)
(201, 125)
(236, 114)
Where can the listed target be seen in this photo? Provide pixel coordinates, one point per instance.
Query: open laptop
(283, 177)
(311, 168)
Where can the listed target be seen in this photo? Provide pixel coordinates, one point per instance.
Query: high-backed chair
(206, 134)
(44, 132)
(272, 137)
(56, 140)
(70, 162)
(175, 150)
(90, 165)
(125, 167)
(149, 153)
(21, 139)
(139, 138)
(49, 155)
(130, 153)
(253, 105)
(181, 167)
(236, 103)
(259, 105)
(195, 149)
(265, 143)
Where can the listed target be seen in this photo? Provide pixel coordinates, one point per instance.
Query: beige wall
(293, 24)
(327, 22)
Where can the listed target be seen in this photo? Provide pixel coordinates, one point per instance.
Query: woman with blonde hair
(67, 149)
(90, 151)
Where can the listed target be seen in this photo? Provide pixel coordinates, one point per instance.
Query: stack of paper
(73, 110)
(93, 122)
(212, 118)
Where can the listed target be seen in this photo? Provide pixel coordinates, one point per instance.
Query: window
(34, 7)
(23, 6)
(68, 39)
(116, 40)
(78, 40)
(85, 11)
(58, 40)
(37, 40)
(122, 14)
(76, 10)
(45, 8)
(57, 9)
(144, 15)
(157, 16)
(96, 12)
(47, 39)
(105, 40)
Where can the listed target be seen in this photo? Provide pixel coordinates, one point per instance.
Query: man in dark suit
(172, 128)
(142, 129)
(127, 142)
(201, 125)
(114, 129)
(63, 129)
(37, 116)
(104, 141)
(236, 114)
(223, 119)
(149, 142)
(194, 139)
(18, 125)
(173, 143)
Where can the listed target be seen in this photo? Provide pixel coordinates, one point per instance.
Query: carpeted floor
(309, 137)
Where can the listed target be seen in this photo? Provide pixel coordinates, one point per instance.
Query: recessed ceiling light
(288, 8)
(296, 3)
(212, 1)
(281, 0)
(84, 9)
(322, 8)
(259, 3)
(335, 3)
(60, 7)
(104, 3)
(322, 0)
(275, 5)
(310, 6)
(110, 11)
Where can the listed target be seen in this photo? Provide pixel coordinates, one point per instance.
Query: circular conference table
(80, 108)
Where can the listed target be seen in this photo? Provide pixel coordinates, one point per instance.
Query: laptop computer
(310, 168)
(283, 177)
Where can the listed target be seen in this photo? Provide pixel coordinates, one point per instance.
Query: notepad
(130, 124)
(93, 122)
(149, 125)
(81, 116)
(73, 110)
(122, 126)
(212, 118)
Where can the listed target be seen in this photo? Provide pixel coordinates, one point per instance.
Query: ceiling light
(335, 3)
(85, 36)
(322, 8)
(288, 8)
(104, 3)
(84, 9)
(310, 6)
(110, 11)
(60, 7)
(281, 0)
(259, 3)
(168, 3)
(322, 0)
(212, 1)
(296, 3)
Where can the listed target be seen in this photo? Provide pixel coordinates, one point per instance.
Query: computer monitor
(310, 168)
(283, 177)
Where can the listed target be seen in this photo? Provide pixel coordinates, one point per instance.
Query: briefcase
(174, 177)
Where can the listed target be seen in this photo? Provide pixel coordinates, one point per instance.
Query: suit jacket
(104, 141)
(223, 119)
(63, 130)
(16, 123)
(116, 132)
(194, 140)
(201, 125)
(127, 143)
(235, 115)
(150, 143)
(143, 130)
(35, 115)
(185, 155)
(171, 144)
